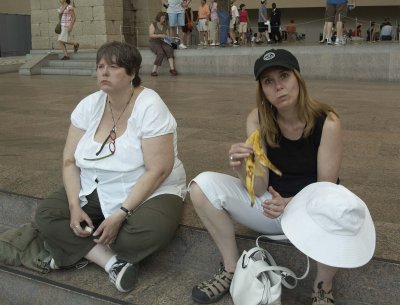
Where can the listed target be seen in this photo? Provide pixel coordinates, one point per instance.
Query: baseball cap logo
(269, 56)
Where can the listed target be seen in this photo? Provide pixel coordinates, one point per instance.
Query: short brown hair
(124, 55)
(159, 15)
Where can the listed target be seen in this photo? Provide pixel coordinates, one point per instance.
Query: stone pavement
(211, 113)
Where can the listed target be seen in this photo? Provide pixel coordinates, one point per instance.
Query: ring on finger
(231, 157)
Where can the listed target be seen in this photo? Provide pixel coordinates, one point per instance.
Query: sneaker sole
(127, 278)
(79, 265)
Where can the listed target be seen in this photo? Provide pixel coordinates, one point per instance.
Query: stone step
(72, 63)
(168, 276)
(368, 62)
(66, 71)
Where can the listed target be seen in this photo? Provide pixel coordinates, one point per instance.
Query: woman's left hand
(274, 207)
(109, 228)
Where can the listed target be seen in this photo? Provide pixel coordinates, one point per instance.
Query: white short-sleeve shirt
(175, 6)
(234, 11)
(115, 176)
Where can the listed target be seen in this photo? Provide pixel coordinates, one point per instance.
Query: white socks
(110, 262)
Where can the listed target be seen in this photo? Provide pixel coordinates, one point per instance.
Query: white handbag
(257, 279)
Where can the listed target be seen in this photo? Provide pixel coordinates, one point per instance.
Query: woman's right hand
(77, 217)
(238, 153)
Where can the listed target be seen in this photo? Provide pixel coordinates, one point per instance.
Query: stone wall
(98, 21)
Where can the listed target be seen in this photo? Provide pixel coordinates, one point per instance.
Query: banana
(257, 163)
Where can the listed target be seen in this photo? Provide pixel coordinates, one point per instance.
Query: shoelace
(113, 271)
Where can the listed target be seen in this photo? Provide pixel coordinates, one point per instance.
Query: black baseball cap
(275, 58)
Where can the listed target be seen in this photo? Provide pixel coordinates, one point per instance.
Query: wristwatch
(128, 212)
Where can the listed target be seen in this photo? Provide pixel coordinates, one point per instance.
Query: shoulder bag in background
(189, 24)
(58, 25)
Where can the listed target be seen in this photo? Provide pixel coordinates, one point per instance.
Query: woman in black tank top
(300, 136)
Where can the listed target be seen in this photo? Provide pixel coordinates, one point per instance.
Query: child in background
(243, 21)
(249, 35)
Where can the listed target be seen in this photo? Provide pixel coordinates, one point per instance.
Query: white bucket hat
(331, 225)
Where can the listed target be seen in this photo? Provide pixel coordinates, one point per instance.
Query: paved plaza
(211, 113)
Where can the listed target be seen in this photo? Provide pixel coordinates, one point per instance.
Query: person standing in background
(203, 16)
(276, 23)
(214, 23)
(334, 13)
(262, 22)
(234, 21)
(188, 28)
(243, 22)
(291, 30)
(176, 18)
(68, 19)
(223, 15)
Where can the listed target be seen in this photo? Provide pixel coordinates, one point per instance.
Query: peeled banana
(257, 163)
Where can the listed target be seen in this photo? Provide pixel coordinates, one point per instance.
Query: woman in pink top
(243, 19)
(68, 19)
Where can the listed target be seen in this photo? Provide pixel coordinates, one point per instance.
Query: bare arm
(330, 150)
(71, 179)
(73, 16)
(71, 173)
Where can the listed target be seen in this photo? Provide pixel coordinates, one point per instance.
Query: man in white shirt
(234, 20)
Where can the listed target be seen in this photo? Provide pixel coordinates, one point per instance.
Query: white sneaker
(182, 46)
(213, 44)
(329, 41)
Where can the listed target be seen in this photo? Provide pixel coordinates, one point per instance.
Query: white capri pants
(228, 193)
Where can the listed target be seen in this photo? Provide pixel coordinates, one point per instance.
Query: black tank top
(297, 160)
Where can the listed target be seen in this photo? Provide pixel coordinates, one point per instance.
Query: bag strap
(285, 272)
(272, 237)
(60, 15)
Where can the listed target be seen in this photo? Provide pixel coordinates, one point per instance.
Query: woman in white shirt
(123, 182)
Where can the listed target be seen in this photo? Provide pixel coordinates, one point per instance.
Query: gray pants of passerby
(150, 228)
